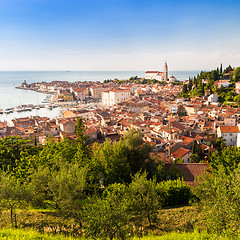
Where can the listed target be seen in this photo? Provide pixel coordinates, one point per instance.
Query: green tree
(236, 74)
(108, 216)
(218, 193)
(138, 152)
(214, 75)
(190, 84)
(112, 162)
(237, 99)
(39, 187)
(67, 187)
(195, 158)
(13, 194)
(185, 89)
(145, 198)
(220, 144)
(228, 158)
(11, 150)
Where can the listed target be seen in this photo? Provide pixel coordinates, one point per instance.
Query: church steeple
(165, 73)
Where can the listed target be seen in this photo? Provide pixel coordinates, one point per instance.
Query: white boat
(7, 111)
(49, 107)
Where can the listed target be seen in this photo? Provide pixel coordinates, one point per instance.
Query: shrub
(174, 192)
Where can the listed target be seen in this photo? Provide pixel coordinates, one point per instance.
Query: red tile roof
(229, 129)
(180, 153)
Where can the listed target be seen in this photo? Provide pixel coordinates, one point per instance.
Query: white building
(172, 79)
(115, 96)
(237, 87)
(213, 98)
(154, 75)
(224, 83)
(229, 134)
(160, 76)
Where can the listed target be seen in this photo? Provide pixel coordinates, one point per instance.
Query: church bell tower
(165, 73)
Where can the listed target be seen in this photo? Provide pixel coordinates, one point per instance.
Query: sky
(118, 35)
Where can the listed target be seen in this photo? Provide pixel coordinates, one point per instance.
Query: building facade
(160, 76)
(115, 96)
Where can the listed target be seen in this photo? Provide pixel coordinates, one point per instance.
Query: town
(171, 124)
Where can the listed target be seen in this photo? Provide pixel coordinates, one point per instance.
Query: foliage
(38, 185)
(113, 184)
(174, 192)
(236, 74)
(228, 158)
(196, 86)
(144, 197)
(67, 188)
(111, 162)
(107, 216)
(138, 152)
(13, 194)
(219, 199)
(12, 149)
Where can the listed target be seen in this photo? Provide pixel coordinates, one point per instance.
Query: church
(160, 76)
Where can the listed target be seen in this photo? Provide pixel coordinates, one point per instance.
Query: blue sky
(118, 34)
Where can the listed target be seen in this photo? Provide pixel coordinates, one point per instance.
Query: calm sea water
(12, 97)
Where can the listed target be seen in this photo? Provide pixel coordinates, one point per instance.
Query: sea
(11, 97)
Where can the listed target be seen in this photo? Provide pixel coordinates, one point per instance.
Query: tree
(220, 144)
(39, 186)
(67, 187)
(137, 152)
(214, 75)
(221, 69)
(111, 158)
(190, 84)
(145, 198)
(218, 193)
(228, 69)
(184, 90)
(237, 99)
(228, 158)
(12, 149)
(236, 74)
(82, 142)
(195, 158)
(175, 192)
(13, 194)
(108, 216)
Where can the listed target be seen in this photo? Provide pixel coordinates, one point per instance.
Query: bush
(174, 192)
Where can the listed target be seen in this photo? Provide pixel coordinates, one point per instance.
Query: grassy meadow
(18, 234)
(173, 223)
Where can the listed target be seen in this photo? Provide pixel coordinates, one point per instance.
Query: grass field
(172, 223)
(17, 234)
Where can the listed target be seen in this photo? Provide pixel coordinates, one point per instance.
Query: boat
(8, 110)
(49, 107)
